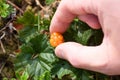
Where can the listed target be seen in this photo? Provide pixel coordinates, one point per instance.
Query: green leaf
(48, 2)
(17, 75)
(45, 76)
(26, 48)
(5, 6)
(28, 19)
(36, 55)
(34, 68)
(27, 33)
(97, 38)
(48, 57)
(39, 43)
(37, 68)
(22, 60)
(13, 79)
(85, 76)
(24, 76)
(5, 9)
(5, 79)
(61, 69)
(86, 36)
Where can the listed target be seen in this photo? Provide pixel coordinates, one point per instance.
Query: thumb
(90, 58)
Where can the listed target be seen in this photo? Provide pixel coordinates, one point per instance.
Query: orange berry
(18, 51)
(18, 26)
(56, 39)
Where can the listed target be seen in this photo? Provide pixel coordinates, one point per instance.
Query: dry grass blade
(9, 2)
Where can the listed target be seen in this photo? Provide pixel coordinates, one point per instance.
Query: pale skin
(104, 14)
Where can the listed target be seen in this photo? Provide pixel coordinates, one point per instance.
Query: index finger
(61, 18)
(66, 12)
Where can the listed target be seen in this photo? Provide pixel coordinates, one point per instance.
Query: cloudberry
(56, 39)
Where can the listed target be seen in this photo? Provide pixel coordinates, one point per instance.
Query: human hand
(104, 14)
